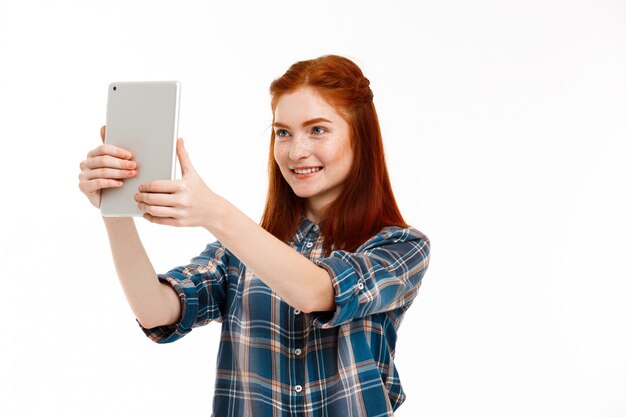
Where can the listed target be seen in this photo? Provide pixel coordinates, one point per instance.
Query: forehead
(303, 104)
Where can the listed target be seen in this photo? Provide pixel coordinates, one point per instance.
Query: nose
(300, 148)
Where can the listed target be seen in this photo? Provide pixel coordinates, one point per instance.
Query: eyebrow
(307, 123)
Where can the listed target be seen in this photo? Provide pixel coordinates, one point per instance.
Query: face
(312, 147)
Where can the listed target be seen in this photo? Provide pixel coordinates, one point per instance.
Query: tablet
(142, 117)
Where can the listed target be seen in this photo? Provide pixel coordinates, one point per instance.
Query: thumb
(186, 167)
(103, 130)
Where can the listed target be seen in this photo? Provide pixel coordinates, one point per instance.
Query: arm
(202, 288)
(189, 202)
(153, 303)
(383, 275)
(299, 281)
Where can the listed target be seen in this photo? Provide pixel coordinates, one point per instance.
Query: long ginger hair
(366, 203)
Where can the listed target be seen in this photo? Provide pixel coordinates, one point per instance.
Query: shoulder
(394, 235)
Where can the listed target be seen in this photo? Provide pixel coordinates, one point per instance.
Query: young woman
(311, 299)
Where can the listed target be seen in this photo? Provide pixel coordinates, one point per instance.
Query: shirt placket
(297, 362)
(298, 345)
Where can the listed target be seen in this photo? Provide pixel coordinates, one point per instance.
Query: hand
(184, 202)
(105, 167)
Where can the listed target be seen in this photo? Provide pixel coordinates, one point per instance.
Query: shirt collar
(305, 227)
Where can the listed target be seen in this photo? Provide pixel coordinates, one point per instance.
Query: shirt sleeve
(384, 274)
(201, 287)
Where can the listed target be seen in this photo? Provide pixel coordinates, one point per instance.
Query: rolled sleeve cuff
(188, 296)
(348, 287)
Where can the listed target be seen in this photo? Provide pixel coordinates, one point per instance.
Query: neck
(314, 211)
(312, 215)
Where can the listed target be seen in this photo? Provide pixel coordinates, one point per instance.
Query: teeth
(306, 171)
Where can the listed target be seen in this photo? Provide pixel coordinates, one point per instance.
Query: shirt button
(298, 352)
(360, 285)
(298, 388)
(309, 245)
(296, 311)
(316, 227)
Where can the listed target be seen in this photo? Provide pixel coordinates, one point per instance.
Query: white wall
(505, 136)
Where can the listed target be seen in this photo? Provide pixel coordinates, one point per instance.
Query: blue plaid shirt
(274, 360)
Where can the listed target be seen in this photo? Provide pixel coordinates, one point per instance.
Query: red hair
(366, 203)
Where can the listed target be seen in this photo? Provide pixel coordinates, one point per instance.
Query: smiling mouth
(305, 171)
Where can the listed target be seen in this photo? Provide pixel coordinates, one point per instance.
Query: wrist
(117, 221)
(217, 210)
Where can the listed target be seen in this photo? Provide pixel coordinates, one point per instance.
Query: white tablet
(142, 117)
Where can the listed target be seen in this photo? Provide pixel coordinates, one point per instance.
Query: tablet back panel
(142, 117)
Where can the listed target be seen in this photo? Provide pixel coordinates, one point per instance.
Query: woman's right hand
(105, 167)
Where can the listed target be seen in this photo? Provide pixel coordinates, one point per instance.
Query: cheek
(280, 155)
(344, 157)
(277, 154)
(346, 162)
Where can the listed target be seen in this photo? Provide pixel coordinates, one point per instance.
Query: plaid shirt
(273, 359)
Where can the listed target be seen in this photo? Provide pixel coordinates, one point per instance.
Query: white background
(505, 137)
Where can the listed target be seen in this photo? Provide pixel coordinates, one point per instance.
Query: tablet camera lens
(114, 88)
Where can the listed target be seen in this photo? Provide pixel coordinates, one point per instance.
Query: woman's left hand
(184, 202)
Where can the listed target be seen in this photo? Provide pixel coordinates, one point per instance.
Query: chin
(303, 194)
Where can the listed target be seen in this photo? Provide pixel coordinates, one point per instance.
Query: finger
(108, 149)
(157, 211)
(98, 184)
(106, 173)
(167, 221)
(186, 167)
(107, 161)
(161, 186)
(103, 130)
(153, 199)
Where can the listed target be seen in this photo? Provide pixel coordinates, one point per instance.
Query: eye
(281, 133)
(318, 130)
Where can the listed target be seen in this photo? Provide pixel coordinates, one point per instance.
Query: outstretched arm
(153, 303)
(189, 202)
